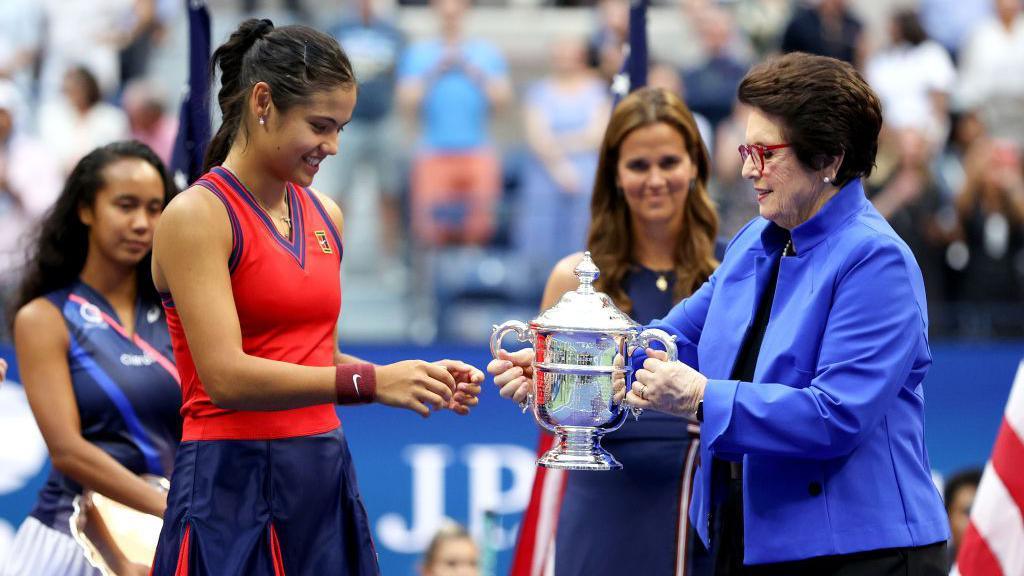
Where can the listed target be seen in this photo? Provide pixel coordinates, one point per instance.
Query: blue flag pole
(194, 116)
(633, 74)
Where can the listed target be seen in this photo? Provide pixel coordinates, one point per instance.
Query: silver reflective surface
(575, 344)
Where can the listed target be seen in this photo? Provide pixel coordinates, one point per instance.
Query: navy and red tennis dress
(269, 493)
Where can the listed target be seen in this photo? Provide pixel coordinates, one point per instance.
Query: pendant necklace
(286, 219)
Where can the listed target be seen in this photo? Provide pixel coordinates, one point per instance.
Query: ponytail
(259, 52)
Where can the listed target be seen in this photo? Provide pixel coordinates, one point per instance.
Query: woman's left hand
(671, 387)
(467, 385)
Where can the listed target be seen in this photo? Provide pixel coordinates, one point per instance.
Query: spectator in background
(565, 117)
(950, 21)
(144, 104)
(451, 552)
(959, 496)
(20, 34)
(605, 48)
(990, 210)
(90, 34)
(661, 75)
(913, 77)
(762, 22)
(736, 203)
(452, 85)
(711, 86)
(29, 184)
(912, 201)
(80, 121)
(966, 129)
(294, 8)
(826, 28)
(992, 72)
(374, 46)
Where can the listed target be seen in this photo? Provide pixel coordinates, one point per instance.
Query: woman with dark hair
(93, 353)
(652, 234)
(248, 260)
(811, 344)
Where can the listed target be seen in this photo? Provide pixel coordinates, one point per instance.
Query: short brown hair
(826, 109)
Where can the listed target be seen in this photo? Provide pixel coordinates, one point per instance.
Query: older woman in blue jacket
(807, 349)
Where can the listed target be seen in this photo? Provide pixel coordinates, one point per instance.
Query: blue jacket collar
(848, 201)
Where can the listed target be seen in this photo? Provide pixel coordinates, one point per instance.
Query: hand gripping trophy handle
(523, 333)
(644, 341)
(645, 338)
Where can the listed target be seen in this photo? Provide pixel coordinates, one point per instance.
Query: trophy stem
(578, 448)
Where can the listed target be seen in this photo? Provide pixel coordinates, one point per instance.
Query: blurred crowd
(478, 221)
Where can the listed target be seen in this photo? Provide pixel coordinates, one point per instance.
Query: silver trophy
(575, 345)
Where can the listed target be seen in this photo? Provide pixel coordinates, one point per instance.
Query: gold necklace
(286, 219)
(662, 282)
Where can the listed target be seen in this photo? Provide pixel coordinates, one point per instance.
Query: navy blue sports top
(126, 388)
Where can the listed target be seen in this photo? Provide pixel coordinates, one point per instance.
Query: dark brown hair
(61, 245)
(826, 109)
(296, 61)
(610, 239)
(909, 27)
(88, 83)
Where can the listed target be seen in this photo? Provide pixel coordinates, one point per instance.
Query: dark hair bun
(253, 29)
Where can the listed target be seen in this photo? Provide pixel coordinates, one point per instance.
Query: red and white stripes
(993, 544)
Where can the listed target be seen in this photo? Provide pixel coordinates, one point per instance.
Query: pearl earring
(263, 120)
(826, 180)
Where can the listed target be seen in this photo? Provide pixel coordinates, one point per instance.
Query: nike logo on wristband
(355, 382)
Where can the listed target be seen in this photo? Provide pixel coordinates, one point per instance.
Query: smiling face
(654, 172)
(297, 140)
(125, 211)
(788, 193)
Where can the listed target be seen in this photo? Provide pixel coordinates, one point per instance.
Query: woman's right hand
(513, 373)
(414, 384)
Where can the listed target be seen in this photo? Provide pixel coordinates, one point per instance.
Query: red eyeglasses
(756, 151)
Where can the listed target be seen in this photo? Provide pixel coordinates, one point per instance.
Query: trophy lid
(585, 308)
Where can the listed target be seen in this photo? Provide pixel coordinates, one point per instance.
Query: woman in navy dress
(95, 356)
(652, 234)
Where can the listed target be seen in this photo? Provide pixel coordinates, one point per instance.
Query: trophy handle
(523, 333)
(655, 335)
(643, 340)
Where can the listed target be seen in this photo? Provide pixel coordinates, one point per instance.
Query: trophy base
(578, 449)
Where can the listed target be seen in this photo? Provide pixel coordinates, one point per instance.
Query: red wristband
(355, 383)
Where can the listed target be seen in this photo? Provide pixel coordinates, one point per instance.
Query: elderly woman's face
(654, 173)
(787, 192)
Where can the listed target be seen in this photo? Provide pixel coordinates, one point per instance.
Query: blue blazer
(831, 431)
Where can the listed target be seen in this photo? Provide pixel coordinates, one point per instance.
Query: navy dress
(634, 520)
(128, 403)
(127, 394)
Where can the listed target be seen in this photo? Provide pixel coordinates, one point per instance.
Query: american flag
(993, 544)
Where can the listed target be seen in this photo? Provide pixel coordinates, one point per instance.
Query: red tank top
(288, 295)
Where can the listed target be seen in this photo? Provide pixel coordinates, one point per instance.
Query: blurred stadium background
(950, 178)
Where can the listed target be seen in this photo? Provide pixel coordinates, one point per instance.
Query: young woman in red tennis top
(248, 259)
